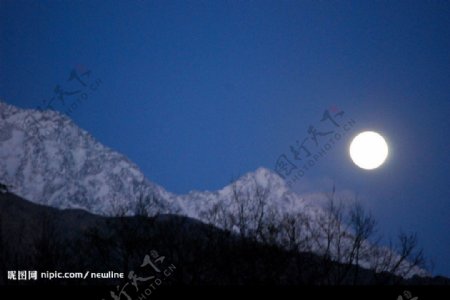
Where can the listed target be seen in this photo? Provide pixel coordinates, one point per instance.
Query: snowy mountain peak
(265, 177)
(47, 159)
(261, 179)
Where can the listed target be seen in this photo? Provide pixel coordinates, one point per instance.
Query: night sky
(199, 92)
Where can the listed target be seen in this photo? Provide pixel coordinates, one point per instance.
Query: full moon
(368, 150)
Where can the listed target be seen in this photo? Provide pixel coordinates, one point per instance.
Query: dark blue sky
(198, 92)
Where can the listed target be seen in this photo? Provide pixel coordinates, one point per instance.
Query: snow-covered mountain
(47, 159)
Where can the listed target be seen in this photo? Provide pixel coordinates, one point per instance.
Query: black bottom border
(298, 292)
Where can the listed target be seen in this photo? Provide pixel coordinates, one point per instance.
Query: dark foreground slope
(35, 237)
